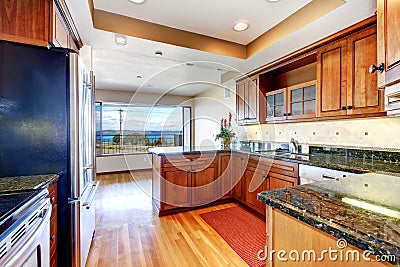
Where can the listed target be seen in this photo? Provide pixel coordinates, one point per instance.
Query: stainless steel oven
(27, 241)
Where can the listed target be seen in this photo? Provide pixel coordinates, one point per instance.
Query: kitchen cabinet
(289, 234)
(239, 166)
(225, 167)
(250, 101)
(363, 96)
(185, 181)
(255, 182)
(262, 174)
(331, 72)
(345, 86)
(388, 62)
(53, 224)
(292, 103)
(38, 22)
(204, 189)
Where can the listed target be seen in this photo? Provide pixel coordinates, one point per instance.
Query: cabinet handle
(265, 176)
(344, 108)
(349, 107)
(52, 238)
(52, 200)
(380, 68)
(288, 114)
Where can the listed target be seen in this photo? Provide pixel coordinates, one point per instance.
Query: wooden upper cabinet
(38, 22)
(301, 101)
(250, 101)
(388, 41)
(331, 73)
(26, 21)
(240, 101)
(276, 105)
(363, 95)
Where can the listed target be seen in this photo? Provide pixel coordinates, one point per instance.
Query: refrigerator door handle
(89, 167)
(88, 203)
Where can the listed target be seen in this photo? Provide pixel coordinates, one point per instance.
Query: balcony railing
(135, 144)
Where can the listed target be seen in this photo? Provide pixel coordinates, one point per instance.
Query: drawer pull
(52, 200)
(52, 238)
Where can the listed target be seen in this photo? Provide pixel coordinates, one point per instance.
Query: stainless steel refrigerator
(47, 126)
(83, 184)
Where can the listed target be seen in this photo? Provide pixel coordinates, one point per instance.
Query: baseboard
(123, 171)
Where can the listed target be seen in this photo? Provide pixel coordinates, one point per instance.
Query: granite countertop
(18, 183)
(322, 205)
(355, 164)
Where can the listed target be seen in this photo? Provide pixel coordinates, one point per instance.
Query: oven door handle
(88, 203)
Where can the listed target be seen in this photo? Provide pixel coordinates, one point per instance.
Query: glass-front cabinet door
(276, 105)
(301, 101)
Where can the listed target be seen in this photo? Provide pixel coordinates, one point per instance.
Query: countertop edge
(357, 239)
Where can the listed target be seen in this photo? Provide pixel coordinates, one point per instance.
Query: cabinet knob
(52, 238)
(380, 68)
(349, 107)
(344, 108)
(52, 200)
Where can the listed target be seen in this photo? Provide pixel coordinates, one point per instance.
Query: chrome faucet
(293, 146)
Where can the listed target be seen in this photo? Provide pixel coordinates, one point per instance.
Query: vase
(226, 144)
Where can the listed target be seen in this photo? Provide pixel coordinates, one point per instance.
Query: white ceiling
(213, 18)
(116, 67)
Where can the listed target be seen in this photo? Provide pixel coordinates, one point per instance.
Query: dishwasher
(311, 174)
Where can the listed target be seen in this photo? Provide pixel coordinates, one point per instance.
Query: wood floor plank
(129, 232)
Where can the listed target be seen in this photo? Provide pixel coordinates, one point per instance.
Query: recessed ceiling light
(137, 2)
(273, 1)
(120, 39)
(241, 26)
(158, 53)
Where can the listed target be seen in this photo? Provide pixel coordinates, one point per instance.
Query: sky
(142, 118)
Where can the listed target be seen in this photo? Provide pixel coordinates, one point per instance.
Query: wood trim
(111, 22)
(24, 40)
(312, 47)
(304, 16)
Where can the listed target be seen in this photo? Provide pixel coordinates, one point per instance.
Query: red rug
(243, 231)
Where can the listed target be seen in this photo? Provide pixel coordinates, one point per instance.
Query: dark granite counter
(19, 183)
(354, 163)
(324, 205)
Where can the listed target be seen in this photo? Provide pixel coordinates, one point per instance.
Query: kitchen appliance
(311, 174)
(25, 229)
(47, 126)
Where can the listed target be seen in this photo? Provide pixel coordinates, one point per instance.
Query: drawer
(285, 168)
(185, 162)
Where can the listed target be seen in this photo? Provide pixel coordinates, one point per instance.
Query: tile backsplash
(369, 132)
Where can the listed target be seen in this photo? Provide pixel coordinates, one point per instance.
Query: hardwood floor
(129, 233)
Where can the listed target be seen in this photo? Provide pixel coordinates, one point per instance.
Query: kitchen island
(184, 179)
(316, 216)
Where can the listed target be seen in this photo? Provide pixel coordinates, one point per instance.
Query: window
(130, 128)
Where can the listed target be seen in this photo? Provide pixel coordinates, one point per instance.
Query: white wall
(115, 163)
(209, 108)
(123, 162)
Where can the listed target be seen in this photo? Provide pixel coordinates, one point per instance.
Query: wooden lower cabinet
(176, 187)
(204, 189)
(225, 167)
(183, 182)
(287, 233)
(277, 181)
(53, 225)
(255, 182)
(239, 166)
